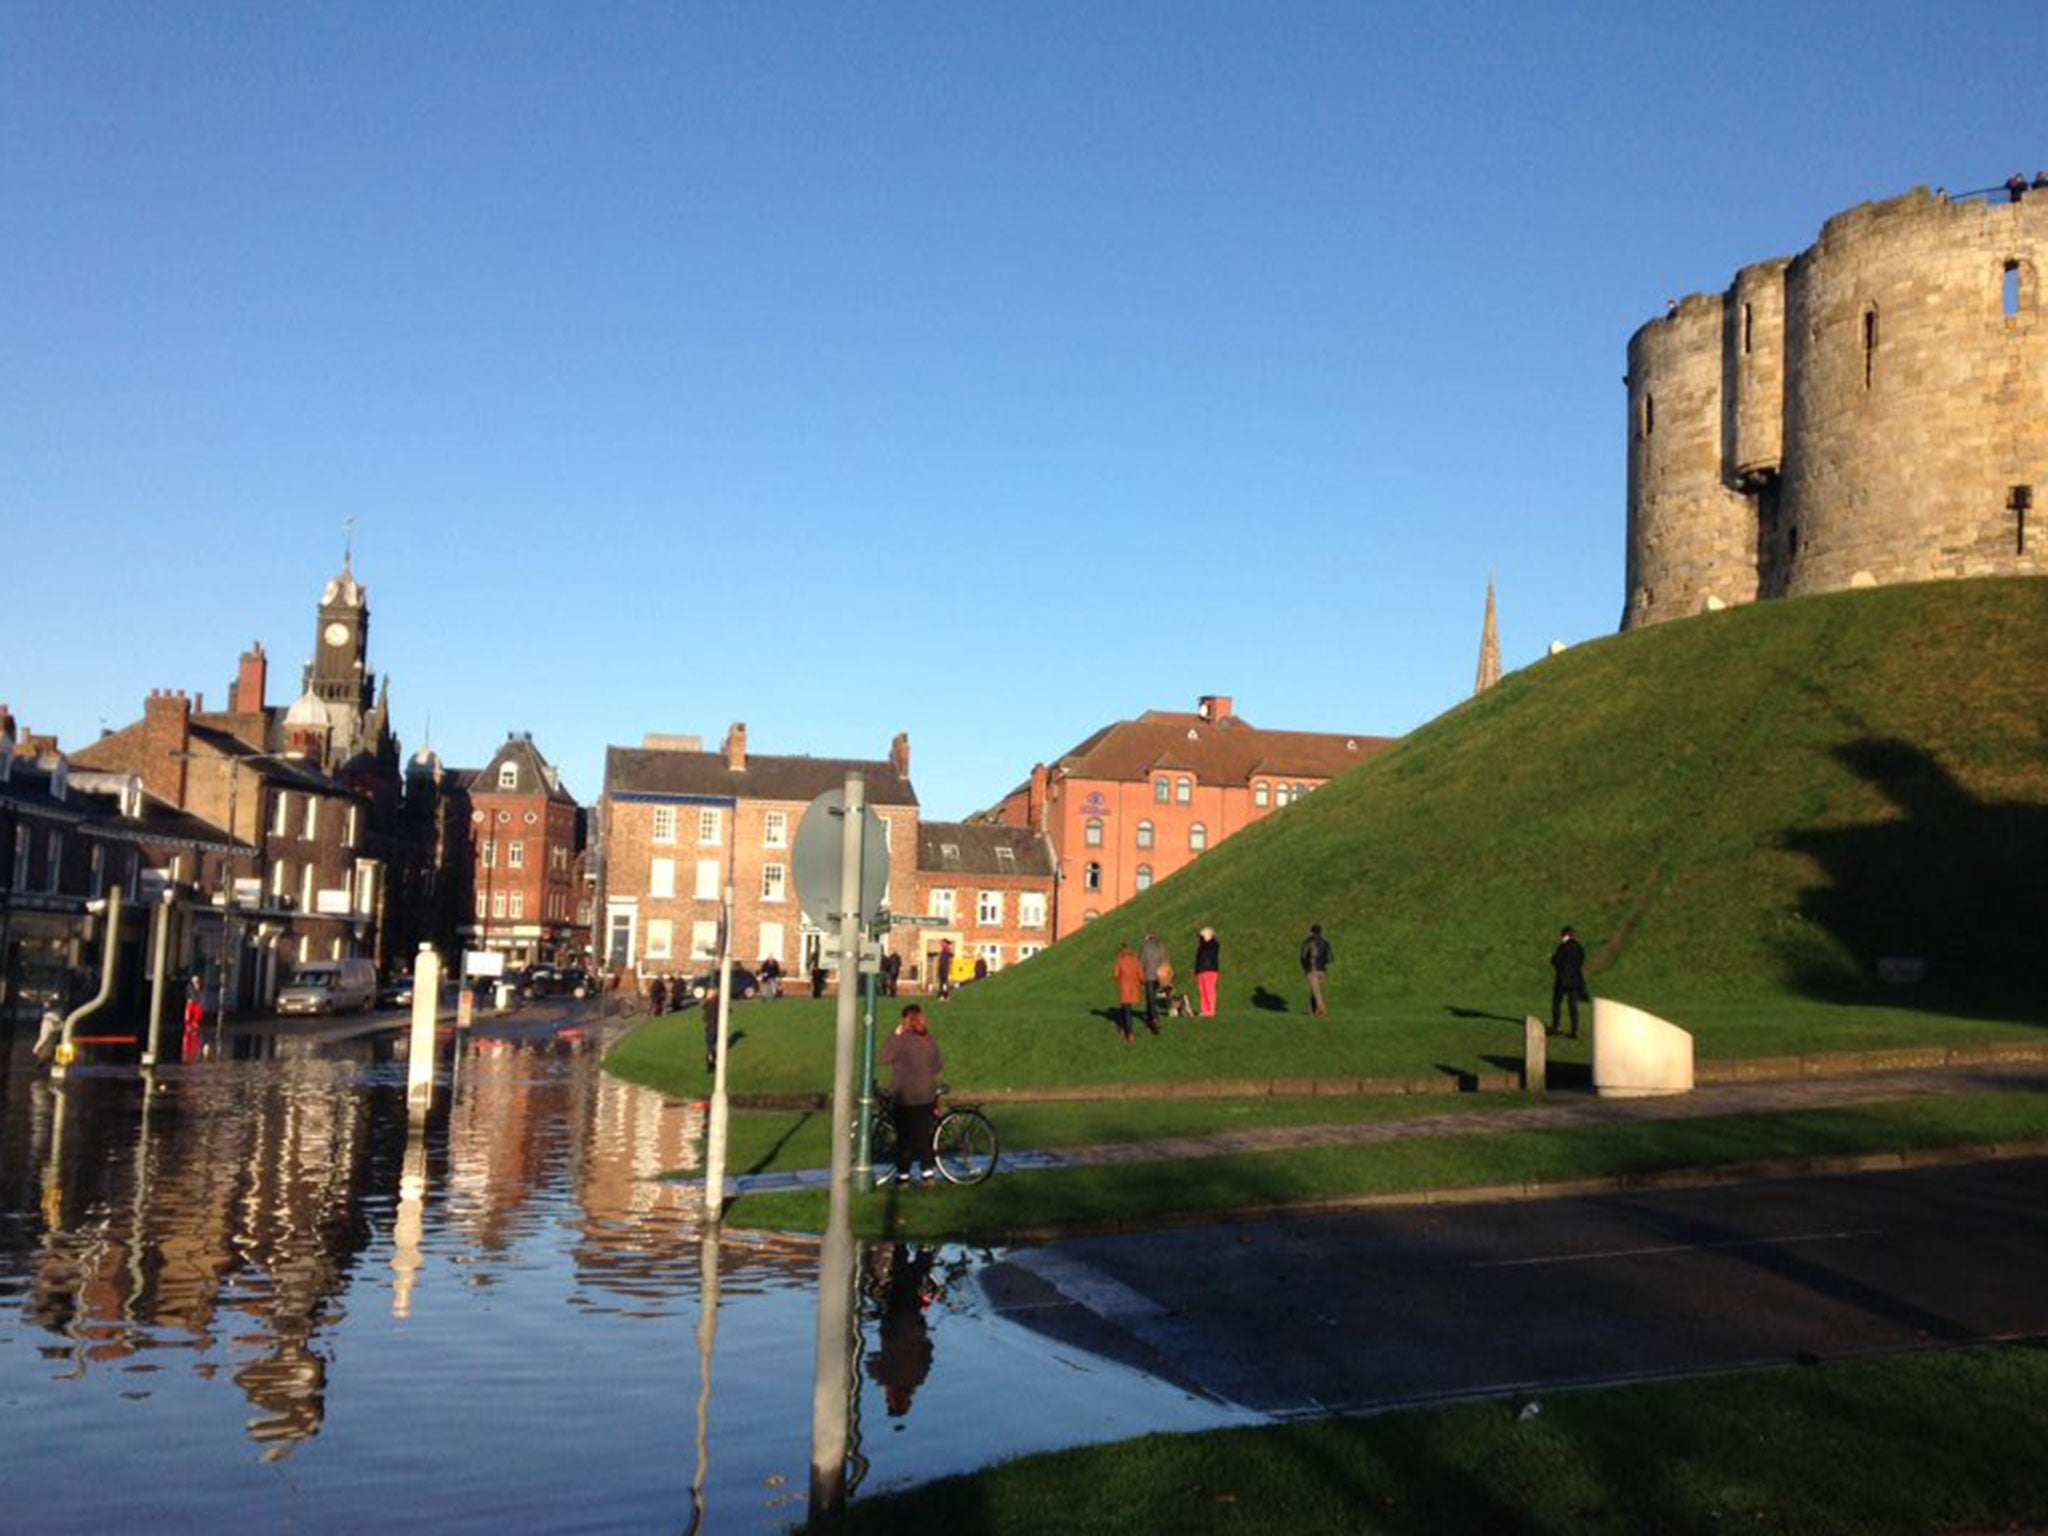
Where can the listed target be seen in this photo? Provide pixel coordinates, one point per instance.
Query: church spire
(1489, 644)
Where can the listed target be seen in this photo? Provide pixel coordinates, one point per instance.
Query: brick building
(993, 884)
(677, 823)
(1142, 798)
(522, 859)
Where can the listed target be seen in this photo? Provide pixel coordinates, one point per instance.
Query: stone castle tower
(1873, 410)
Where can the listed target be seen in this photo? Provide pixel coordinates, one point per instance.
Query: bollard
(426, 1003)
(1535, 1055)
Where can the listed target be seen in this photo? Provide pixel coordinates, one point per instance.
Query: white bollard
(1636, 1054)
(426, 1004)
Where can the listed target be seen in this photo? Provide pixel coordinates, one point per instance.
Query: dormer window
(1184, 789)
(508, 775)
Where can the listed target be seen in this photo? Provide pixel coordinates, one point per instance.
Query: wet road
(1374, 1309)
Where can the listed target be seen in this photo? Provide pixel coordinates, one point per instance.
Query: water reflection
(488, 1312)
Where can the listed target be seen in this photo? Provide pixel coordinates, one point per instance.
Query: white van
(330, 986)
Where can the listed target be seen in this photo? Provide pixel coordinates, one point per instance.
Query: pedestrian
(913, 1058)
(1568, 978)
(1130, 991)
(657, 997)
(892, 971)
(1208, 962)
(713, 1005)
(1151, 960)
(817, 978)
(1315, 961)
(195, 1004)
(771, 977)
(944, 966)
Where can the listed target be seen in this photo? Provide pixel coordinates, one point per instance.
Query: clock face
(336, 633)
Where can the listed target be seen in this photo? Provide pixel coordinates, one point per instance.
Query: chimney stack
(1034, 798)
(899, 755)
(736, 747)
(166, 738)
(250, 681)
(1216, 708)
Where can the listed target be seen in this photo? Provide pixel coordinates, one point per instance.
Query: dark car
(557, 981)
(744, 983)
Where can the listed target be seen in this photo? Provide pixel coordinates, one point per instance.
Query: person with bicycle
(914, 1061)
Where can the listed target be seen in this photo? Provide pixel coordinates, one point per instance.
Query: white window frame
(1184, 790)
(497, 904)
(661, 939)
(703, 940)
(710, 826)
(988, 909)
(516, 908)
(661, 878)
(770, 945)
(508, 775)
(1145, 834)
(1143, 878)
(664, 829)
(1198, 837)
(1091, 832)
(1091, 875)
(938, 902)
(1031, 909)
(992, 953)
(312, 818)
(280, 813)
(708, 872)
(775, 829)
(515, 854)
(774, 882)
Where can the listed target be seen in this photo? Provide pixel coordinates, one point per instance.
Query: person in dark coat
(1151, 956)
(943, 968)
(892, 972)
(1315, 961)
(1568, 978)
(1208, 966)
(657, 997)
(712, 1005)
(914, 1059)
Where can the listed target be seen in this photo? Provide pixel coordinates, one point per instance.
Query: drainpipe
(110, 954)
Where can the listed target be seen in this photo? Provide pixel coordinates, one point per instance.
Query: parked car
(398, 992)
(744, 983)
(557, 981)
(330, 986)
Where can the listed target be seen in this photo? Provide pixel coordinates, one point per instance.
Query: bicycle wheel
(882, 1138)
(965, 1146)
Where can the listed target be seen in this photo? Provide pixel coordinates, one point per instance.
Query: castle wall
(1690, 538)
(1915, 403)
(1866, 413)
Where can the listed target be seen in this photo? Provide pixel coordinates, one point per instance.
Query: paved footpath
(1562, 1110)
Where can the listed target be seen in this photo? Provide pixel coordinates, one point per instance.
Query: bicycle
(963, 1142)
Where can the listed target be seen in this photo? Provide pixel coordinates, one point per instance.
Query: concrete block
(1636, 1054)
(1535, 1054)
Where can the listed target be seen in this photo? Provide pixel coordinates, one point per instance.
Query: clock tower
(339, 675)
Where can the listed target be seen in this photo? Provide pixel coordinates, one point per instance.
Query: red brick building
(1142, 798)
(677, 823)
(523, 875)
(992, 885)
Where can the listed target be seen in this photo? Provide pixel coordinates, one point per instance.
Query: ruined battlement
(1870, 411)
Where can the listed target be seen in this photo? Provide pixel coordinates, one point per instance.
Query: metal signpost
(863, 874)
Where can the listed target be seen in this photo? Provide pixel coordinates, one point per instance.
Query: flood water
(260, 1296)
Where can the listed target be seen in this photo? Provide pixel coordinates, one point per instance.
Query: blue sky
(986, 372)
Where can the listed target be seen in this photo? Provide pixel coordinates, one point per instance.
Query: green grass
(1135, 1194)
(766, 1140)
(1922, 1444)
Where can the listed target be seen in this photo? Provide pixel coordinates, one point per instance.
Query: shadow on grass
(767, 1159)
(1480, 1013)
(1935, 906)
(1271, 1001)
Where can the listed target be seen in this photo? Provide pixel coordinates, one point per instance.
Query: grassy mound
(1742, 814)
(1745, 807)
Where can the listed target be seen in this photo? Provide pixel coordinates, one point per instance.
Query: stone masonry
(1871, 411)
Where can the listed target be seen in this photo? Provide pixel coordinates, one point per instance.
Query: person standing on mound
(1130, 991)
(1208, 962)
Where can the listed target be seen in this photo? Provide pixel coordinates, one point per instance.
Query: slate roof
(536, 773)
(638, 771)
(969, 848)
